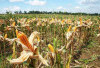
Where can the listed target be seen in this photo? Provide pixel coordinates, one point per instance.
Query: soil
(87, 54)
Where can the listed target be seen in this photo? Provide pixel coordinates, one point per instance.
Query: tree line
(59, 12)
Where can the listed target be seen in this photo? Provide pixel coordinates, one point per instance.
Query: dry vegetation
(49, 41)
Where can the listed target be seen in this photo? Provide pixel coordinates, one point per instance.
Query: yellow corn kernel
(51, 47)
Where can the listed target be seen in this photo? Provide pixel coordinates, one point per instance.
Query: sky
(86, 6)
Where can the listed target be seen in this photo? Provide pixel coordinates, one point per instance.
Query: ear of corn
(75, 28)
(62, 21)
(51, 48)
(69, 28)
(13, 24)
(80, 20)
(5, 36)
(16, 32)
(23, 38)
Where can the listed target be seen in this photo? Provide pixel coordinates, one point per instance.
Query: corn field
(49, 41)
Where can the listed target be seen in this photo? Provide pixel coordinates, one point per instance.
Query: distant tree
(25, 12)
(8, 12)
(60, 12)
(96, 14)
(16, 12)
(20, 12)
